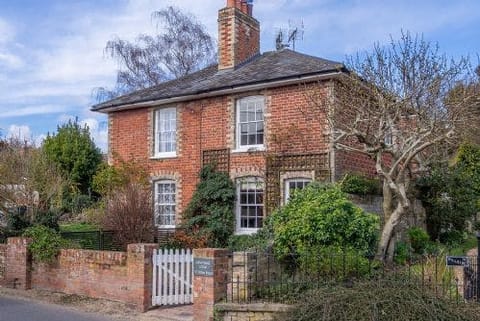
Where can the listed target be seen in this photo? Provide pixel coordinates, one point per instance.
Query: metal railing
(261, 277)
(94, 240)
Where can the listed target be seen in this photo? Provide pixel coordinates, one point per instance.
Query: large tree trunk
(391, 220)
(387, 232)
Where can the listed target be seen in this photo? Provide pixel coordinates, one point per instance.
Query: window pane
(167, 133)
(165, 203)
(250, 203)
(250, 121)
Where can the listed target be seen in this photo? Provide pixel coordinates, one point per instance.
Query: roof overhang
(224, 91)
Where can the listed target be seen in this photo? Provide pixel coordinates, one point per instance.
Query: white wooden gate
(172, 277)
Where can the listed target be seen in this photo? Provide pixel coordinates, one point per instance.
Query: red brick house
(249, 114)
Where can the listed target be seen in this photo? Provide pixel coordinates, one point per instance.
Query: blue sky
(51, 52)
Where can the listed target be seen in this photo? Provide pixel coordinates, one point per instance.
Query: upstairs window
(250, 122)
(165, 132)
(165, 204)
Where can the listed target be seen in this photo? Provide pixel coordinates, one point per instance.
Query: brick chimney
(238, 34)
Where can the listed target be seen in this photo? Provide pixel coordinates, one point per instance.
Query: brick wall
(3, 256)
(209, 123)
(120, 276)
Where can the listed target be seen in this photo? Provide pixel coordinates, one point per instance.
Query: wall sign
(202, 267)
(457, 261)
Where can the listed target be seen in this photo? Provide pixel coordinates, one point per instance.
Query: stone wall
(374, 204)
(119, 276)
(248, 312)
(3, 254)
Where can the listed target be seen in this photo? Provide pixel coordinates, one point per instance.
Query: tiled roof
(268, 67)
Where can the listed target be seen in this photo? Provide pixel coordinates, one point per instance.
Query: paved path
(17, 309)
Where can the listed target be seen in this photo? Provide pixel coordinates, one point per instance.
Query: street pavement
(18, 309)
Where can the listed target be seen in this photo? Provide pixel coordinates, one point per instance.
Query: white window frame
(157, 142)
(157, 204)
(240, 103)
(238, 205)
(286, 186)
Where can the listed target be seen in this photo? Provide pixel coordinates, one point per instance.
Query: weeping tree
(182, 46)
(396, 106)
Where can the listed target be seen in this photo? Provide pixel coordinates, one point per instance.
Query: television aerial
(287, 38)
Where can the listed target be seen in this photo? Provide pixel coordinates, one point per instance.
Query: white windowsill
(249, 149)
(166, 227)
(246, 231)
(164, 155)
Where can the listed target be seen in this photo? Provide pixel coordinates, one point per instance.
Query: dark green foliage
(210, 214)
(377, 300)
(419, 239)
(321, 216)
(17, 220)
(451, 194)
(46, 243)
(402, 253)
(74, 152)
(48, 219)
(359, 184)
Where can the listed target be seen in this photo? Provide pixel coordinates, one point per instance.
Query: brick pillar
(18, 271)
(209, 281)
(140, 273)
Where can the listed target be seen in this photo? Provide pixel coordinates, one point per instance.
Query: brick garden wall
(118, 276)
(98, 274)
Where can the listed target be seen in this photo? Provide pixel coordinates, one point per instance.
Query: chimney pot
(244, 7)
(231, 3)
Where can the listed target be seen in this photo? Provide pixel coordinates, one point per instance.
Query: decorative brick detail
(238, 35)
(208, 290)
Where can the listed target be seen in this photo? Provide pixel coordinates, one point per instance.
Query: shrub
(359, 184)
(46, 243)
(402, 253)
(451, 194)
(210, 212)
(129, 213)
(385, 300)
(48, 219)
(321, 216)
(419, 239)
(127, 203)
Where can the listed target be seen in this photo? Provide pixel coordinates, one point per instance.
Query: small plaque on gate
(202, 267)
(457, 261)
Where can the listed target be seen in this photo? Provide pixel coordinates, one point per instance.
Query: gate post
(18, 271)
(139, 273)
(210, 271)
(477, 272)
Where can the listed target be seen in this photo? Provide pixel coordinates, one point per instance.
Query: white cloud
(11, 61)
(31, 111)
(20, 132)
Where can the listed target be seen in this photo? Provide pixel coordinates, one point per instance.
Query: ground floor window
(249, 204)
(165, 203)
(293, 184)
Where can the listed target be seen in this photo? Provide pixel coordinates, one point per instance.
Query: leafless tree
(395, 106)
(27, 179)
(181, 47)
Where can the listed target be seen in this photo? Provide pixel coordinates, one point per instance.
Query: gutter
(221, 92)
